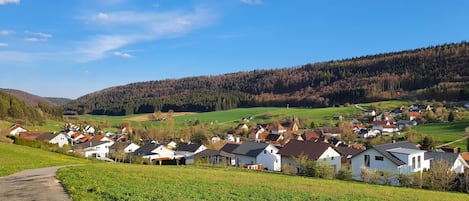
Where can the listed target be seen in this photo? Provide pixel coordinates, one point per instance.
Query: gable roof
(296, 148)
(446, 156)
(146, 149)
(188, 147)
(348, 151)
(88, 144)
(119, 145)
(46, 136)
(383, 149)
(207, 153)
(250, 149)
(311, 134)
(30, 135)
(272, 137)
(465, 156)
(229, 148)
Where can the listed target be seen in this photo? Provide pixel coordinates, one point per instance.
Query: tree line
(438, 72)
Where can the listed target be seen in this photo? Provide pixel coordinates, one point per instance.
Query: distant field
(388, 104)
(445, 132)
(50, 126)
(138, 182)
(15, 158)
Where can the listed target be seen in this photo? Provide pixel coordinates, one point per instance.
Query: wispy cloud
(3, 2)
(6, 32)
(123, 55)
(37, 36)
(130, 27)
(252, 2)
(3, 44)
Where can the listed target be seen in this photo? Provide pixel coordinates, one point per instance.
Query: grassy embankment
(15, 158)
(138, 182)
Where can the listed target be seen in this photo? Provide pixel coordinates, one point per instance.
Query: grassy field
(15, 158)
(445, 132)
(138, 182)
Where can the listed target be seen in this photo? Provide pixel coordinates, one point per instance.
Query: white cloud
(39, 34)
(129, 27)
(102, 16)
(6, 32)
(123, 55)
(32, 39)
(3, 2)
(252, 2)
(3, 44)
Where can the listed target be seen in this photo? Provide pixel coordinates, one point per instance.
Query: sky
(71, 48)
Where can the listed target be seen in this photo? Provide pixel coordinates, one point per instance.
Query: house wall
(163, 152)
(131, 148)
(407, 158)
(246, 160)
(459, 165)
(270, 159)
(358, 161)
(289, 162)
(99, 151)
(332, 157)
(60, 140)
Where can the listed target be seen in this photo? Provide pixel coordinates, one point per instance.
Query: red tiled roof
(309, 134)
(30, 135)
(465, 156)
(414, 114)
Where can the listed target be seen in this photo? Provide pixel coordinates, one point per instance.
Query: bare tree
(440, 176)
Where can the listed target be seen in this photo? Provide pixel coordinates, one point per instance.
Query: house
(414, 116)
(242, 127)
(346, 154)
(30, 135)
(465, 156)
(368, 133)
(256, 132)
(378, 125)
(401, 124)
(369, 113)
(16, 130)
(311, 135)
(321, 152)
(291, 135)
(95, 149)
(253, 153)
(86, 138)
(157, 153)
(101, 138)
(390, 129)
(227, 152)
(126, 147)
(215, 139)
(397, 158)
(77, 136)
(419, 108)
(331, 132)
(189, 150)
(60, 139)
(278, 129)
(89, 129)
(209, 155)
(273, 138)
(455, 161)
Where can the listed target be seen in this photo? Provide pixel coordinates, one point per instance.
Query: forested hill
(439, 72)
(14, 109)
(29, 99)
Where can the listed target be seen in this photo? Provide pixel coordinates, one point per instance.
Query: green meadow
(15, 158)
(140, 182)
(446, 132)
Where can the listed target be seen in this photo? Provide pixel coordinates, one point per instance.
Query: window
(367, 160)
(419, 162)
(413, 162)
(379, 158)
(265, 151)
(332, 158)
(271, 151)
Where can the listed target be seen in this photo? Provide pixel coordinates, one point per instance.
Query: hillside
(29, 99)
(438, 72)
(16, 110)
(59, 101)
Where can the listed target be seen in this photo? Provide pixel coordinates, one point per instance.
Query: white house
(320, 152)
(127, 147)
(399, 157)
(96, 149)
(455, 160)
(189, 150)
(16, 130)
(156, 152)
(60, 139)
(253, 153)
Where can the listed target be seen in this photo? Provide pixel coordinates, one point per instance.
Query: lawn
(15, 158)
(139, 182)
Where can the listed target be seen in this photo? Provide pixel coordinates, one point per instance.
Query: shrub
(344, 174)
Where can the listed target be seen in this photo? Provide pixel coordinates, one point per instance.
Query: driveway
(36, 184)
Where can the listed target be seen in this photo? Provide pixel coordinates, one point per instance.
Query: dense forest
(438, 72)
(16, 110)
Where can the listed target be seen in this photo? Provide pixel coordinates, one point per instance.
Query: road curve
(35, 184)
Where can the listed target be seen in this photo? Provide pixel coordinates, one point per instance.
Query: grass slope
(446, 132)
(137, 182)
(15, 158)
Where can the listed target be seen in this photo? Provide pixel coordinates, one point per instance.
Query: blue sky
(74, 47)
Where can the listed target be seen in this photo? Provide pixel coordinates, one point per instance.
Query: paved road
(36, 184)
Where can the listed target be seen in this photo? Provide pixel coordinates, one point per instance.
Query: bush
(344, 174)
(404, 180)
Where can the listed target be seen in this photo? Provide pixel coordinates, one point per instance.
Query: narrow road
(36, 184)
(458, 140)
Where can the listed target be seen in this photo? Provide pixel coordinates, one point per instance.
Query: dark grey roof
(207, 153)
(383, 147)
(296, 148)
(447, 156)
(188, 147)
(250, 149)
(272, 137)
(46, 136)
(229, 148)
(88, 144)
(146, 149)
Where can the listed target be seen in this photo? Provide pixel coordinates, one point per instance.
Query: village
(277, 147)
